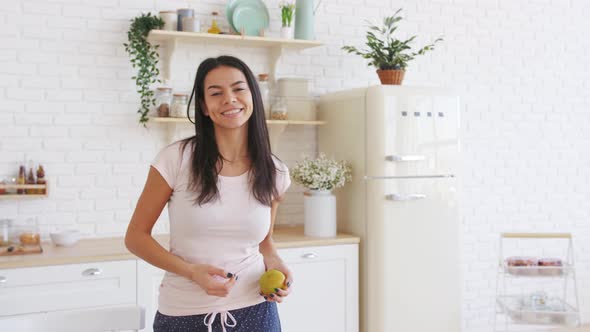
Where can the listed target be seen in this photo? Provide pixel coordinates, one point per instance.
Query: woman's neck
(232, 143)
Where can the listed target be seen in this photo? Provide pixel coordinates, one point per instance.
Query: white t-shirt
(224, 233)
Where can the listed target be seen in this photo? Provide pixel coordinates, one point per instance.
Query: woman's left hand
(275, 262)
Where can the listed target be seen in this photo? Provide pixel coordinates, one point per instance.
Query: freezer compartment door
(413, 265)
(409, 133)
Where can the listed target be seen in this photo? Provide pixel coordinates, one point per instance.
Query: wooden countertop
(113, 248)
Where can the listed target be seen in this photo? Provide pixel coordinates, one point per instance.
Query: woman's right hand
(210, 279)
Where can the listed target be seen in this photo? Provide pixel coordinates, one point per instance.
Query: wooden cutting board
(20, 250)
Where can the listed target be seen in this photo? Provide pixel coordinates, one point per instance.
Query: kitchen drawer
(61, 287)
(310, 254)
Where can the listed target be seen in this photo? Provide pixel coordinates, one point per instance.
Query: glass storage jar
(279, 109)
(5, 232)
(179, 105)
(163, 101)
(264, 93)
(28, 235)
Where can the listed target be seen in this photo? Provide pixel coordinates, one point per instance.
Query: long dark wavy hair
(205, 153)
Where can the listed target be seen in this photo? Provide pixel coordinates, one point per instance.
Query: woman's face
(228, 99)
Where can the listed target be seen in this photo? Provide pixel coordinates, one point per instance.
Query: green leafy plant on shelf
(144, 57)
(387, 53)
(287, 10)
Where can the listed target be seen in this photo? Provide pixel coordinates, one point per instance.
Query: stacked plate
(249, 15)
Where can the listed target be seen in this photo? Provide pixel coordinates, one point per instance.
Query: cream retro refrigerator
(403, 145)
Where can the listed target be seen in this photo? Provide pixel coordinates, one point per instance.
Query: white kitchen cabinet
(324, 297)
(63, 287)
(325, 290)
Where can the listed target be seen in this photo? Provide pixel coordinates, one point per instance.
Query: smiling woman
(222, 187)
(229, 127)
(227, 97)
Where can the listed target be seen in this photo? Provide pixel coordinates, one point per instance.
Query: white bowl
(65, 238)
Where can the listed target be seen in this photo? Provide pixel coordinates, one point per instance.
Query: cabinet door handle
(3, 280)
(410, 197)
(92, 272)
(310, 255)
(398, 158)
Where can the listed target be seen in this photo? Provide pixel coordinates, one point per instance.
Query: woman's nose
(230, 98)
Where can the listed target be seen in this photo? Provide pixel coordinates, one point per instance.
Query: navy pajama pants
(262, 317)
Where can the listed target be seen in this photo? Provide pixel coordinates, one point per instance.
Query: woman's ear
(204, 109)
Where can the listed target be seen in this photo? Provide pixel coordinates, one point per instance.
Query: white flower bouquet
(321, 173)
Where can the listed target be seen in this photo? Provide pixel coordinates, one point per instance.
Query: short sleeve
(283, 179)
(167, 162)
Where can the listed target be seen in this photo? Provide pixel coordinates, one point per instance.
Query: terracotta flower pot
(391, 76)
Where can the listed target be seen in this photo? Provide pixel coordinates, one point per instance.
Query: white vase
(286, 32)
(319, 208)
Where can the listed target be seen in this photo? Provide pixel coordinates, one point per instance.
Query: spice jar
(279, 109)
(163, 101)
(179, 105)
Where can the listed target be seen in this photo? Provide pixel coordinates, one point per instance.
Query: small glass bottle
(30, 180)
(163, 101)
(179, 105)
(265, 93)
(21, 179)
(214, 28)
(279, 109)
(41, 180)
(3, 182)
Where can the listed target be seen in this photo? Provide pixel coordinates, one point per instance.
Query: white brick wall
(67, 101)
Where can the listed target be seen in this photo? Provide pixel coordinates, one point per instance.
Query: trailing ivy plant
(144, 57)
(386, 51)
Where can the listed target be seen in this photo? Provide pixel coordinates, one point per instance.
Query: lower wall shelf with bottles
(35, 191)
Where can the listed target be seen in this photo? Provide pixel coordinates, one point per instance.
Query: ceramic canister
(170, 20)
(182, 13)
(191, 24)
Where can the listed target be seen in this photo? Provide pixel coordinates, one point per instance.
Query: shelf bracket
(170, 48)
(275, 56)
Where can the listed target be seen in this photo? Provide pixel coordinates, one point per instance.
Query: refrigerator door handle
(394, 157)
(410, 197)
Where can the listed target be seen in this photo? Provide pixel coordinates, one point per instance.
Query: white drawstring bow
(223, 315)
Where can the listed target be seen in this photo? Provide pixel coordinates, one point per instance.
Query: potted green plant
(287, 11)
(144, 56)
(388, 54)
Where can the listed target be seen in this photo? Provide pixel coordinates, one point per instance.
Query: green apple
(270, 280)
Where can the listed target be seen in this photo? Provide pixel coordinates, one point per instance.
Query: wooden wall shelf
(275, 127)
(24, 186)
